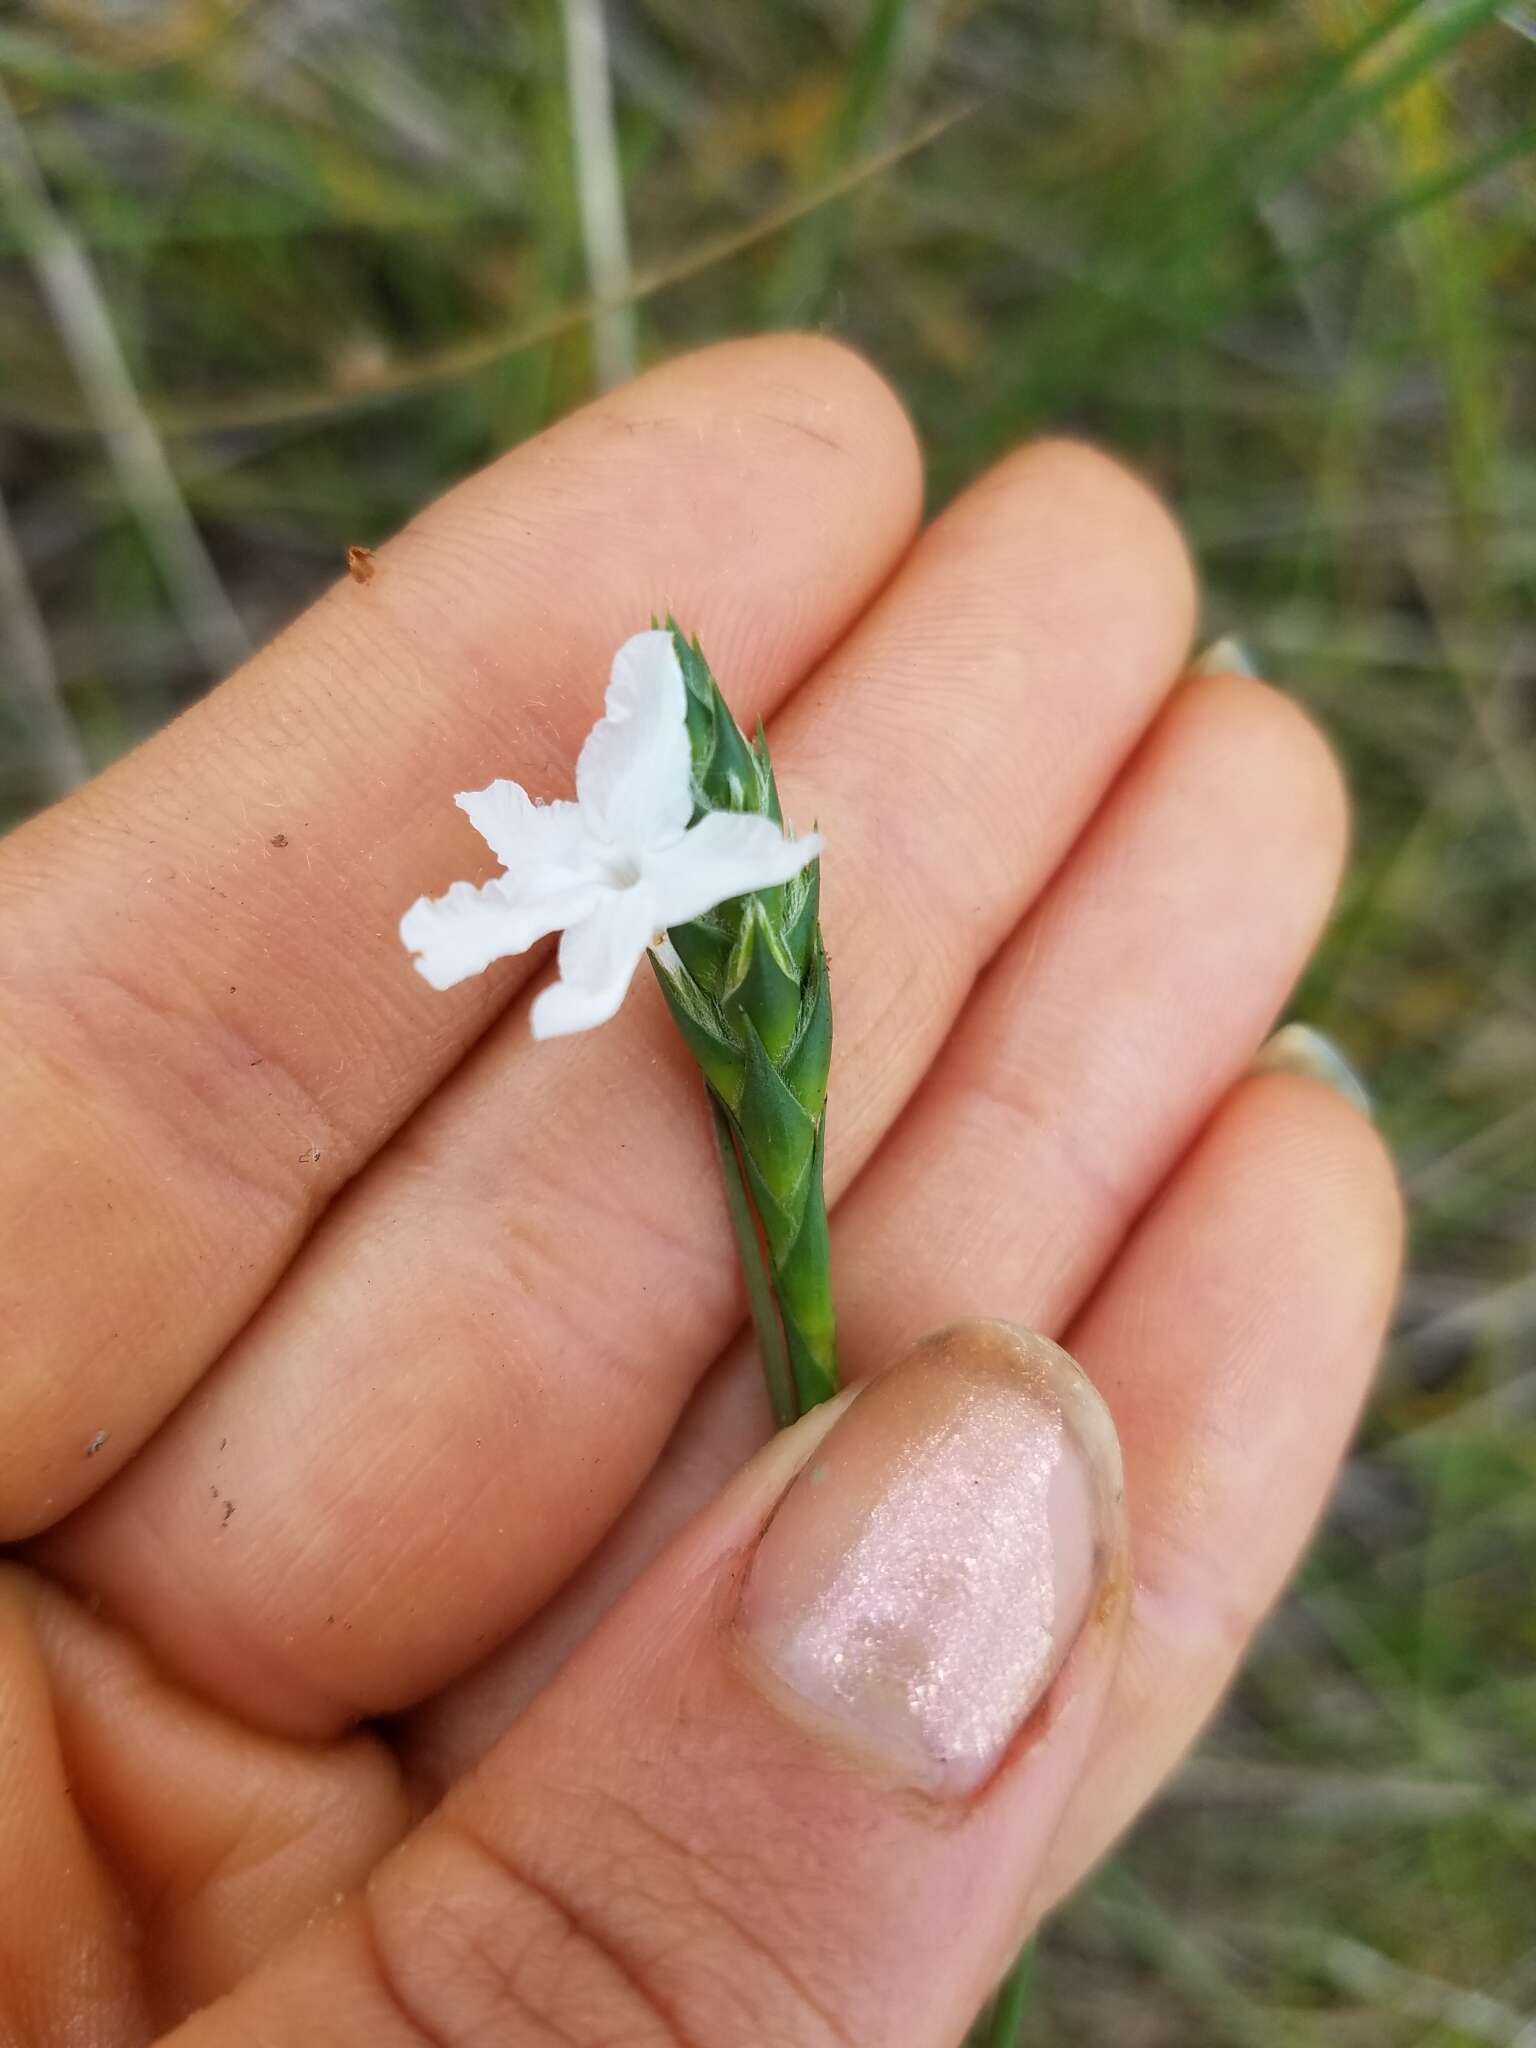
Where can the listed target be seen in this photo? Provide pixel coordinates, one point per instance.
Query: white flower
(609, 871)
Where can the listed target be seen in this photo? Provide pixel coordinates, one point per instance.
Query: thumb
(797, 1788)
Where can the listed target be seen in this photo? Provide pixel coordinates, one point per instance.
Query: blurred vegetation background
(273, 274)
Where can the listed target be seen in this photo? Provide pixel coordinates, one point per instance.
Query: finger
(259, 1837)
(121, 1909)
(1099, 1041)
(66, 1943)
(813, 1817)
(463, 1383)
(207, 1021)
(1110, 1027)
(1234, 1342)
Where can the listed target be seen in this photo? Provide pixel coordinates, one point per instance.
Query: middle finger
(480, 1354)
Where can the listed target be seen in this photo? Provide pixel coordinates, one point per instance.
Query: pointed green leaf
(722, 1065)
(805, 1292)
(813, 1366)
(805, 1069)
(761, 985)
(802, 908)
(802, 1273)
(780, 1226)
(697, 679)
(724, 766)
(780, 1138)
(703, 702)
(705, 947)
(767, 782)
(730, 779)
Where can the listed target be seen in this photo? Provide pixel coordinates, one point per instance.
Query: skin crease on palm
(374, 1386)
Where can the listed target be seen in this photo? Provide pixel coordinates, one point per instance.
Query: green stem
(772, 1349)
(998, 2026)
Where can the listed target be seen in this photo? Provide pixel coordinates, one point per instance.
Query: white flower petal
(728, 853)
(610, 870)
(598, 958)
(460, 934)
(633, 779)
(523, 834)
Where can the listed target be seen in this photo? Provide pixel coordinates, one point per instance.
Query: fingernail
(926, 1574)
(1227, 656)
(1302, 1049)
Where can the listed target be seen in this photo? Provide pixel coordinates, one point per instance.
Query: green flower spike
(747, 984)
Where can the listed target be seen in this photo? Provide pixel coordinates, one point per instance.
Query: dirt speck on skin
(361, 565)
(311, 1157)
(96, 1442)
(278, 839)
(229, 1509)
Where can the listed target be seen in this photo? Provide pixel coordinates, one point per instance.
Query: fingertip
(1272, 742)
(1348, 1195)
(1098, 573)
(756, 486)
(826, 389)
(807, 402)
(1084, 481)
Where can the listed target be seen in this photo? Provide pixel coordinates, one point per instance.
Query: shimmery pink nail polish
(927, 1572)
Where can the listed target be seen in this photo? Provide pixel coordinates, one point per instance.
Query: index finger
(206, 1021)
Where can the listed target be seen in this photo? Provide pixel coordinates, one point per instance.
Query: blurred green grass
(1282, 256)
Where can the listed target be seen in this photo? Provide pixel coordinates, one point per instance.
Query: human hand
(363, 1359)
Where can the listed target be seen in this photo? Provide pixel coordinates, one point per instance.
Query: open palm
(360, 1353)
